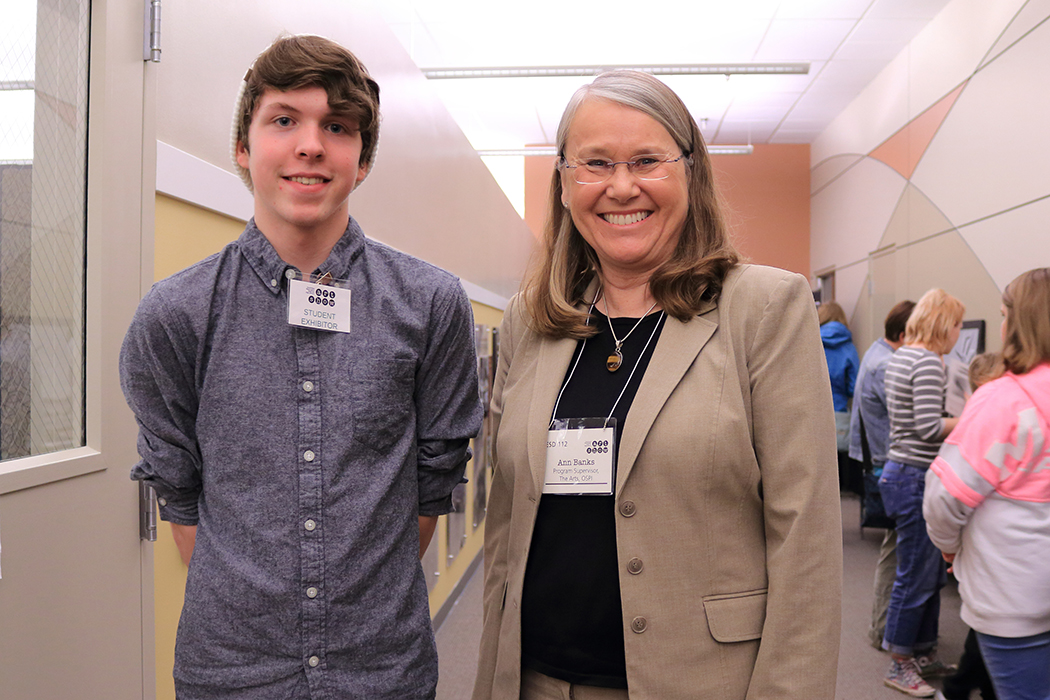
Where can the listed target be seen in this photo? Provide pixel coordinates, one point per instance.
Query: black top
(571, 619)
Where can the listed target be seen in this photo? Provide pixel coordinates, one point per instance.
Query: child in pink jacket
(987, 500)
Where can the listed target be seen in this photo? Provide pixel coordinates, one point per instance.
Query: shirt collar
(268, 265)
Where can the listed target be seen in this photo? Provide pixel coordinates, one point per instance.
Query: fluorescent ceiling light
(17, 84)
(727, 149)
(586, 71)
(714, 149)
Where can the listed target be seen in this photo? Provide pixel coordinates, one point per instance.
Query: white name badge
(319, 306)
(581, 457)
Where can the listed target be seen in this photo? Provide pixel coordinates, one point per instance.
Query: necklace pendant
(614, 361)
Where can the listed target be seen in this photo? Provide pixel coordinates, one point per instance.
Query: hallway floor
(861, 667)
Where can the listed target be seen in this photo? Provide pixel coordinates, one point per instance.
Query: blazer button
(635, 566)
(627, 509)
(638, 625)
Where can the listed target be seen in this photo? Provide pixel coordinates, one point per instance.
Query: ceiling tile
(803, 39)
(822, 9)
(900, 30)
(897, 9)
(848, 42)
(882, 51)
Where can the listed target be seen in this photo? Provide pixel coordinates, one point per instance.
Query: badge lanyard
(581, 452)
(318, 302)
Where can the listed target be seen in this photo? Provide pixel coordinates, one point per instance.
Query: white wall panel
(1026, 233)
(848, 216)
(941, 56)
(970, 175)
(948, 51)
(1034, 12)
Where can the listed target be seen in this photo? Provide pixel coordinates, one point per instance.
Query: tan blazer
(728, 523)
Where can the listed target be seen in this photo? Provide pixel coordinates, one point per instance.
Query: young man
(869, 399)
(305, 400)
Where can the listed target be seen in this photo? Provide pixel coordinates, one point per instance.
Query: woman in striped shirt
(915, 383)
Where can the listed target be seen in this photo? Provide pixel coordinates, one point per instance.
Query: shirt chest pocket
(382, 399)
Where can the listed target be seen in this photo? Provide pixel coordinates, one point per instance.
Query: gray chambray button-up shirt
(304, 457)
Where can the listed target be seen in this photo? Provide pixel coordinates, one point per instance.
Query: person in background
(869, 402)
(987, 502)
(843, 364)
(706, 560)
(972, 673)
(915, 382)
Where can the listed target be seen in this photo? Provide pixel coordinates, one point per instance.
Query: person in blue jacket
(843, 364)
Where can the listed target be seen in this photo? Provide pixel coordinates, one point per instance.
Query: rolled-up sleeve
(448, 409)
(156, 375)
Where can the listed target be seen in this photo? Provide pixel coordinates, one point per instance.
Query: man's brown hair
(897, 320)
(302, 61)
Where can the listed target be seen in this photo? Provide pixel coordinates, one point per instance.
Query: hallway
(860, 666)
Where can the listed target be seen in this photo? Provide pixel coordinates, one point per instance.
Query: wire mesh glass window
(43, 188)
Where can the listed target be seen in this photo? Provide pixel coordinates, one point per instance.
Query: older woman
(663, 521)
(987, 500)
(915, 383)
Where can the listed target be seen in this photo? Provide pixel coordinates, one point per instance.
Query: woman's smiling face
(632, 224)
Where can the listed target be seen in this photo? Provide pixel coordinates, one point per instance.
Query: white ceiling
(846, 42)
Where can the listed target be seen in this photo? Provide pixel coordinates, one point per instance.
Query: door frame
(76, 597)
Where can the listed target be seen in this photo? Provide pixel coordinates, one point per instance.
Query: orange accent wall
(766, 202)
(905, 149)
(765, 196)
(538, 171)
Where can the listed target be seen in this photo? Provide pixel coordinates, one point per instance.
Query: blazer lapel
(675, 353)
(553, 360)
(551, 364)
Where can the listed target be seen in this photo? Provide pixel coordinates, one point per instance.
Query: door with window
(76, 192)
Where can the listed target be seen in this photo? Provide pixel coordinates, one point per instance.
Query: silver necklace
(613, 362)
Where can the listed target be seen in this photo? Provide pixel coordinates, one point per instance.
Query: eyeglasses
(594, 171)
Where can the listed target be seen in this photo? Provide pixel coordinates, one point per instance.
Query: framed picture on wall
(971, 341)
(970, 344)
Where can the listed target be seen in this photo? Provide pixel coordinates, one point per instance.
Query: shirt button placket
(311, 500)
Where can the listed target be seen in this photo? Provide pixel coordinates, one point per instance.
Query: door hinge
(151, 31)
(147, 512)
